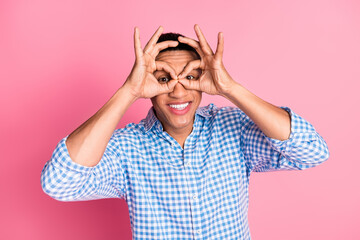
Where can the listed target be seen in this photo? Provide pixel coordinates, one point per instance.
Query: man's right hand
(141, 82)
(87, 143)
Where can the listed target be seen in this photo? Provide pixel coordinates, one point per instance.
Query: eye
(163, 79)
(190, 77)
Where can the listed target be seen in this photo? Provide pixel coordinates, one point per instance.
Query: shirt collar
(151, 120)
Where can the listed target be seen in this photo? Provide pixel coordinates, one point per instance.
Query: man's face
(176, 110)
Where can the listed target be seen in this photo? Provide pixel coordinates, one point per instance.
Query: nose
(179, 91)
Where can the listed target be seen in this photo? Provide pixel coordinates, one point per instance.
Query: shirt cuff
(62, 160)
(301, 131)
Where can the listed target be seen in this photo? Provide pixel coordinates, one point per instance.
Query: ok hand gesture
(214, 79)
(141, 82)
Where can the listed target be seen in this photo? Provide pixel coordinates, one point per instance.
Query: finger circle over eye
(195, 64)
(163, 66)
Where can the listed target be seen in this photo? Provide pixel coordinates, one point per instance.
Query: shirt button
(194, 196)
(198, 231)
(188, 164)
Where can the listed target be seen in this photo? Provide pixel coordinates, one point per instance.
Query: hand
(141, 82)
(214, 78)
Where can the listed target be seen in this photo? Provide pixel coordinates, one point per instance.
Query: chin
(182, 123)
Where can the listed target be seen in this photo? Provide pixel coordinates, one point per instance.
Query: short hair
(174, 37)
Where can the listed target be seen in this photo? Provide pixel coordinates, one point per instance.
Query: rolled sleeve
(62, 161)
(65, 180)
(305, 148)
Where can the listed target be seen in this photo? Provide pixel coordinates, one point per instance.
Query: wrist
(230, 89)
(126, 91)
(236, 93)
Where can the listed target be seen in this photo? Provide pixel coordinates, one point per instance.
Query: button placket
(194, 197)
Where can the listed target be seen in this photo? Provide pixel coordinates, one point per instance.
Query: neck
(179, 135)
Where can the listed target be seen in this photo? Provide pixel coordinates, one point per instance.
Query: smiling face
(176, 110)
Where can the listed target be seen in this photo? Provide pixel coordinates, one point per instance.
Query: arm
(272, 138)
(275, 138)
(272, 120)
(87, 144)
(88, 163)
(215, 80)
(304, 148)
(65, 180)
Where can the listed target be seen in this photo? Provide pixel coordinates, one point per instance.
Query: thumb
(190, 84)
(168, 87)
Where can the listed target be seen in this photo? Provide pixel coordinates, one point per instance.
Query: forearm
(87, 144)
(272, 120)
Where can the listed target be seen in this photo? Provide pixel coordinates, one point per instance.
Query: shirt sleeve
(305, 148)
(65, 180)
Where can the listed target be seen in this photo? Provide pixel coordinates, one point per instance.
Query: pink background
(60, 61)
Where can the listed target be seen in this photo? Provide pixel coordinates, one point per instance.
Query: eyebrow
(198, 70)
(161, 71)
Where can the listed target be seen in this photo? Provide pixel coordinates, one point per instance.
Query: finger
(195, 64)
(153, 39)
(203, 43)
(163, 45)
(220, 47)
(193, 43)
(162, 66)
(190, 85)
(137, 43)
(168, 87)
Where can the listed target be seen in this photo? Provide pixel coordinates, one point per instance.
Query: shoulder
(132, 132)
(226, 120)
(222, 113)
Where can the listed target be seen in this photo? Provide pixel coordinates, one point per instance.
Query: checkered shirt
(199, 192)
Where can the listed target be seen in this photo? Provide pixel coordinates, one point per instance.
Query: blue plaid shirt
(199, 192)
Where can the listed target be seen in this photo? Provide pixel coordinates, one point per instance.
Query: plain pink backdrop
(60, 61)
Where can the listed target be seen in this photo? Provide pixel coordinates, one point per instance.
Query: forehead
(176, 58)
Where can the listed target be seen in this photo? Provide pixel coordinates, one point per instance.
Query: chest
(204, 167)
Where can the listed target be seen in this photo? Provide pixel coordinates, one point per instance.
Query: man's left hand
(214, 79)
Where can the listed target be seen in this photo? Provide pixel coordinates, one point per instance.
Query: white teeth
(179, 106)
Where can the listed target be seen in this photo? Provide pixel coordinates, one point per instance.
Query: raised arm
(273, 138)
(216, 80)
(86, 163)
(88, 142)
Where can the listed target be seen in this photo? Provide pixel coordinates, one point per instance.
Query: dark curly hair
(174, 37)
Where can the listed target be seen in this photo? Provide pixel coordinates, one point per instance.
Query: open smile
(179, 108)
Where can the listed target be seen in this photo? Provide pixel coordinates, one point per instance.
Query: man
(183, 170)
